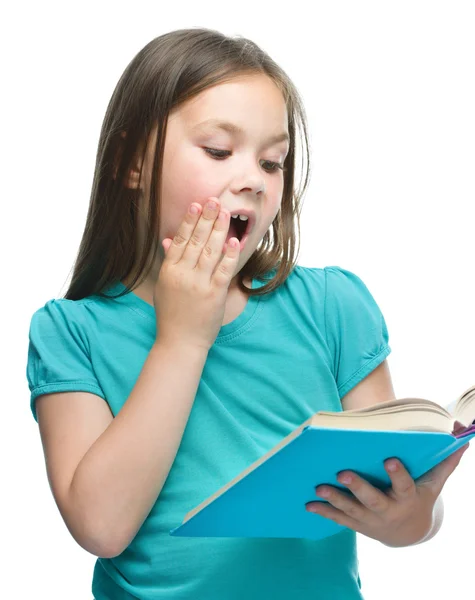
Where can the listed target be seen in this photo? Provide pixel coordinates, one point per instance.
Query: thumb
(438, 475)
(166, 243)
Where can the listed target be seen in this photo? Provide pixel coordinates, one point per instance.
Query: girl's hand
(192, 286)
(400, 517)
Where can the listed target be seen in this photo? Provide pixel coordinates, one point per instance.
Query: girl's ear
(134, 173)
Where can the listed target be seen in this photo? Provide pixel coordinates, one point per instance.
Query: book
(268, 498)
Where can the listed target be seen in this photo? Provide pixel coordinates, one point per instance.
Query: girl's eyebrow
(236, 130)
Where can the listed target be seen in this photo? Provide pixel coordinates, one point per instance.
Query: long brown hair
(168, 71)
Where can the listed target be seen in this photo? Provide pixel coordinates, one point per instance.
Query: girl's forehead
(256, 94)
(244, 107)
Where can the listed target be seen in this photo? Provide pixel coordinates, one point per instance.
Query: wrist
(420, 529)
(179, 348)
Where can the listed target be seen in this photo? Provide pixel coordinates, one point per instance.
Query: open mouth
(237, 229)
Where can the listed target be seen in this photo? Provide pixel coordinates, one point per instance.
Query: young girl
(148, 401)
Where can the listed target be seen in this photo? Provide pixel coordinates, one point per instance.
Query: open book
(268, 498)
(406, 414)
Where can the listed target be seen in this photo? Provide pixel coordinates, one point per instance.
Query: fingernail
(345, 478)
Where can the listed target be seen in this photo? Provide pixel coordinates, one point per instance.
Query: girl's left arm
(378, 387)
(410, 512)
(374, 388)
(438, 518)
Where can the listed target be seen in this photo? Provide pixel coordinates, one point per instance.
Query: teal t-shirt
(289, 354)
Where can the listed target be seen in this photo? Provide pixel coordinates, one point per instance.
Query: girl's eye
(221, 154)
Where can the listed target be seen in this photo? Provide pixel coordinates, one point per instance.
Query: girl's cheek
(196, 180)
(198, 188)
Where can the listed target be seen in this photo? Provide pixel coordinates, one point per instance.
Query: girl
(190, 343)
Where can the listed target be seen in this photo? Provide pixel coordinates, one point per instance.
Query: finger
(345, 502)
(402, 484)
(166, 243)
(199, 238)
(213, 248)
(329, 512)
(226, 267)
(185, 231)
(369, 496)
(437, 476)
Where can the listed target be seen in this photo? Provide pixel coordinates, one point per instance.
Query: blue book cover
(268, 499)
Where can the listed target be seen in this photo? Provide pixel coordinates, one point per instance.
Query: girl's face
(246, 178)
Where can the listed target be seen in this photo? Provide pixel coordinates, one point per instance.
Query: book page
(400, 405)
(463, 409)
(411, 419)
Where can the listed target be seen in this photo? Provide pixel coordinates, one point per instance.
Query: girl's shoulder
(58, 313)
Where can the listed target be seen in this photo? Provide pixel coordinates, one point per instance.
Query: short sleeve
(58, 352)
(356, 331)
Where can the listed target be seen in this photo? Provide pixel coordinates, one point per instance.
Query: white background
(389, 91)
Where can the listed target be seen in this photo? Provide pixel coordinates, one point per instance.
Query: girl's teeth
(242, 217)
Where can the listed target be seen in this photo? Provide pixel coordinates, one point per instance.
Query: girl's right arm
(120, 477)
(123, 462)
